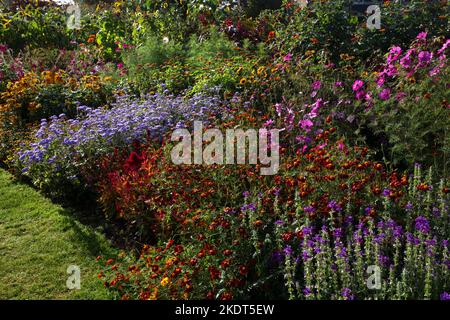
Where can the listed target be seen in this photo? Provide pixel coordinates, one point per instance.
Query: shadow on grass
(90, 240)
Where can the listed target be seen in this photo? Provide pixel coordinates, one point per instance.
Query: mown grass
(38, 241)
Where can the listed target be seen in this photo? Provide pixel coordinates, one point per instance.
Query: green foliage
(34, 27)
(211, 60)
(332, 27)
(415, 119)
(206, 50)
(155, 52)
(254, 7)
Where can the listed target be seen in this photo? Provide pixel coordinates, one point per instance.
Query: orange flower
(314, 40)
(91, 38)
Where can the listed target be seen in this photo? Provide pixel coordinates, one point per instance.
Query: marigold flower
(165, 281)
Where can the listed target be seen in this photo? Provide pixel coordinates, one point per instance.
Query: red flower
(227, 252)
(243, 270)
(214, 273)
(178, 249)
(133, 162)
(210, 295)
(225, 263)
(226, 296)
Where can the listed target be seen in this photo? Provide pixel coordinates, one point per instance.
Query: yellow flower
(260, 70)
(165, 281)
(154, 295)
(33, 105)
(243, 81)
(346, 57)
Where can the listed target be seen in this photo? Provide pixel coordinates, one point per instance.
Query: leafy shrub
(380, 106)
(332, 27)
(62, 147)
(411, 107)
(209, 62)
(41, 95)
(202, 51)
(35, 27)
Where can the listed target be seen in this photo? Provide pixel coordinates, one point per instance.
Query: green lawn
(38, 241)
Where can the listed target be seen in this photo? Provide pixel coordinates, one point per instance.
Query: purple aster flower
(305, 256)
(276, 257)
(357, 237)
(333, 205)
(307, 231)
(386, 192)
(104, 129)
(319, 239)
(342, 253)
(288, 250)
(384, 260)
(348, 220)
(337, 233)
(422, 224)
(436, 212)
(347, 294)
(246, 194)
(411, 239)
(397, 232)
(309, 209)
(368, 210)
(306, 291)
(446, 263)
(430, 245)
(279, 222)
(445, 296)
(409, 206)
(379, 238)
